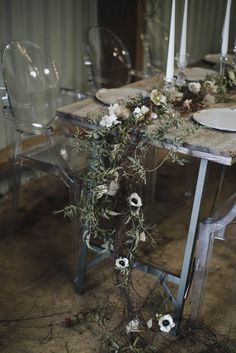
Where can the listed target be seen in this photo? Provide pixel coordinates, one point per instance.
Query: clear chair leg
(79, 247)
(14, 184)
(203, 257)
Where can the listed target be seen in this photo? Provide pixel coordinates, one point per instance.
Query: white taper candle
(225, 32)
(182, 50)
(171, 46)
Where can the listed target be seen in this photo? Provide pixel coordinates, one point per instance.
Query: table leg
(218, 190)
(188, 255)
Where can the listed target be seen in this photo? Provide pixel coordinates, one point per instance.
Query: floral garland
(111, 205)
(204, 93)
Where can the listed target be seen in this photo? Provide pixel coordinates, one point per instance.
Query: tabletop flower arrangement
(201, 94)
(111, 204)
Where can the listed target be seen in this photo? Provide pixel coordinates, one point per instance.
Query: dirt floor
(36, 271)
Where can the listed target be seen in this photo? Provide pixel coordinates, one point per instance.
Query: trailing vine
(111, 204)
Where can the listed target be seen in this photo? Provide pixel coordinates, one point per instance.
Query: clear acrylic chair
(209, 230)
(32, 82)
(106, 58)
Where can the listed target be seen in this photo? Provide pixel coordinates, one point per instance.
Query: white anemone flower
(144, 109)
(133, 326)
(122, 263)
(135, 200)
(157, 98)
(109, 121)
(166, 323)
(138, 112)
(194, 87)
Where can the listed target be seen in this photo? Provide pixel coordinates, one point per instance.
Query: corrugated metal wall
(205, 22)
(56, 25)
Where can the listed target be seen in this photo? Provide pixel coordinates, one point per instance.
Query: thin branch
(32, 318)
(160, 164)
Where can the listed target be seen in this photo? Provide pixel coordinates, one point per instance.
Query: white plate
(215, 58)
(112, 95)
(217, 118)
(198, 73)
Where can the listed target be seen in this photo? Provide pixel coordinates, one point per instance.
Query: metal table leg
(188, 255)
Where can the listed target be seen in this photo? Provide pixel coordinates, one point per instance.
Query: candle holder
(169, 86)
(223, 62)
(168, 90)
(181, 62)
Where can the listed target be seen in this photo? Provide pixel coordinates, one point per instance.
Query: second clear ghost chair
(107, 59)
(209, 229)
(32, 83)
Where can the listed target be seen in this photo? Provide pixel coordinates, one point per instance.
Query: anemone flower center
(122, 263)
(165, 322)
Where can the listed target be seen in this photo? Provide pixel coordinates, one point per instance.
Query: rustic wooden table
(213, 145)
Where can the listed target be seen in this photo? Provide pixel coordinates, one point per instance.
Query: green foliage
(110, 205)
(116, 155)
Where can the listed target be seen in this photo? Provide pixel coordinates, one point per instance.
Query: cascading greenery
(111, 205)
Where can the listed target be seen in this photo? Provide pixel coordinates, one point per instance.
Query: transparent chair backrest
(32, 83)
(109, 58)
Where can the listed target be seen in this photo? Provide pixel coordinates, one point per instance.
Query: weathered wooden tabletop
(210, 144)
